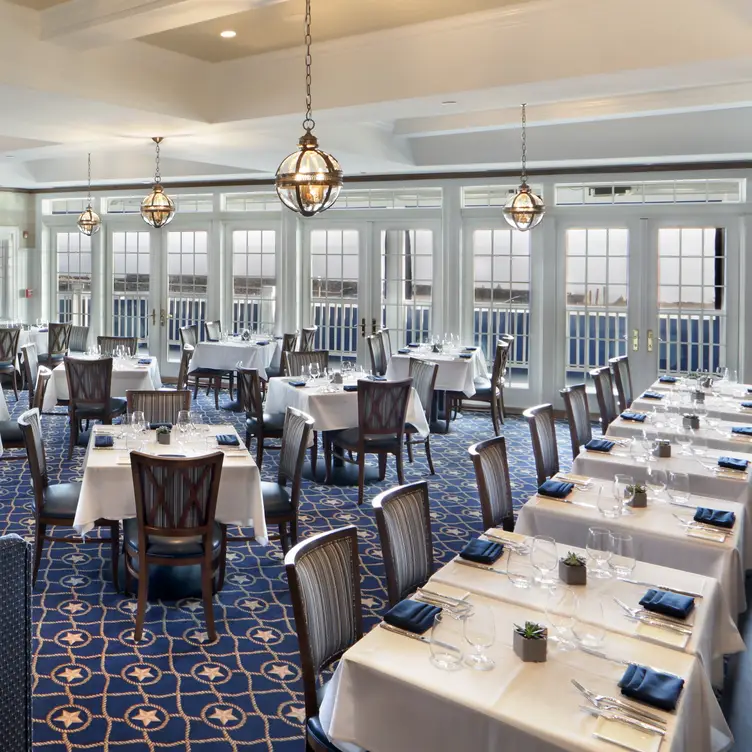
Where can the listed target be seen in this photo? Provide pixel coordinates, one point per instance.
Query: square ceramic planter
(662, 448)
(530, 651)
(163, 438)
(571, 574)
(640, 500)
(691, 421)
(699, 395)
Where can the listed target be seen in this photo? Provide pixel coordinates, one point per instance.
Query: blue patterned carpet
(95, 689)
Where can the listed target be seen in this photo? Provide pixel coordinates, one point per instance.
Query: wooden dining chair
(212, 376)
(307, 336)
(423, 373)
(258, 424)
(58, 338)
(79, 339)
(89, 385)
(55, 503)
(623, 379)
(382, 407)
(403, 519)
(160, 406)
(323, 573)
(298, 363)
(492, 477)
(186, 355)
(288, 345)
(281, 504)
(578, 416)
(540, 420)
(11, 436)
(378, 356)
(31, 366)
(604, 393)
(189, 335)
(213, 330)
(8, 354)
(493, 394)
(176, 502)
(107, 345)
(386, 341)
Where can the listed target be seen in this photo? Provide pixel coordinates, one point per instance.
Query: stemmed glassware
(446, 642)
(561, 609)
(184, 422)
(608, 505)
(678, 488)
(599, 551)
(545, 558)
(519, 569)
(623, 489)
(138, 422)
(684, 439)
(623, 559)
(655, 481)
(314, 371)
(480, 632)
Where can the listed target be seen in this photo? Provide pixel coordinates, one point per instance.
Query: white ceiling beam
(87, 24)
(740, 8)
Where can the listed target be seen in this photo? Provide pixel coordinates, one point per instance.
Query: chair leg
(115, 553)
(259, 450)
(361, 476)
(382, 466)
(327, 457)
(314, 452)
(128, 577)
(294, 530)
(400, 471)
(232, 383)
(206, 597)
(409, 446)
(195, 388)
(143, 590)
(73, 431)
(447, 410)
(501, 405)
(223, 558)
(283, 537)
(15, 385)
(217, 385)
(428, 455)
(39, 532)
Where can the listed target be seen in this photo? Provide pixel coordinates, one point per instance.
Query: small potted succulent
(531, 642)
(163, 435)
(640, 498)
(662, 448)
(573, 569)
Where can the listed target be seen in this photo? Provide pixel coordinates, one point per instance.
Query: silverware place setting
(654, 620)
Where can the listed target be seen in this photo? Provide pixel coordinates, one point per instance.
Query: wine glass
(480, 632)
(138, 422)
(608, 506)
(623, 559)
(196, 421)
(623, 489)
(519, 570)
(684, 439)
(590, 633)
(655, 481)
(561, 607)
(184, 422)
(599, 551)
(678, 488)
(545, 558)
(314, 370)
(699, 446)
(446, 642)
(647, 447)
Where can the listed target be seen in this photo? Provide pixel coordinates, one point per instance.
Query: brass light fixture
(157, 208)
(525, 209)
(89, 222)
(309, 180)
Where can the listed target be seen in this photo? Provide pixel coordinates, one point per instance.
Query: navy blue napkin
(652, 395)
(373, 377)
(715, 517)
(652, 687)
(746, 404)
(404, 351)
(104, 442)
(466, 356)
(144, 361)
(262, 342)
(743, 430)
(667, 379)
(154, 426)
(556, 489)
(171, 455)
(481, 551)
(749, 391)
(227, 439)
(732, 463)
(414, 616)
(668, 604)
(599, 445)
(471, 349)
(629, 415)
(414, 344)
(296, 383)
(350, 387)
(42, 330)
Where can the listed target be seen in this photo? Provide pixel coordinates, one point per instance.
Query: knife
(486, 567)
(678, 591)
(614, 716)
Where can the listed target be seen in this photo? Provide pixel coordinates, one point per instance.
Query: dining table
(234, 352)
(386, 695)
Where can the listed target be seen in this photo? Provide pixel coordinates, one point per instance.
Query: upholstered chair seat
(61, 500)
(166, 547)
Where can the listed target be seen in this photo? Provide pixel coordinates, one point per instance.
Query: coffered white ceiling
(399, 85)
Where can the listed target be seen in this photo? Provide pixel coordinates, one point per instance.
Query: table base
(234, 407)
(165, 583)
(342, 474)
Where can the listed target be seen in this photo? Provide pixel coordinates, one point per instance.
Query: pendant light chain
(157, 176)
(89, 180)
(309, 122)
(524, 145)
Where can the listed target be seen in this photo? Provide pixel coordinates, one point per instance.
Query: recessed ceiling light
(229, 34)
(449, 101)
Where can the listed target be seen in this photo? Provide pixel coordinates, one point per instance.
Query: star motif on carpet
(223, 716)
(76, 558)
(72, 638)
(369, 602)
(146, 717)
(131, 606)
(73, 581)
(250, 604)
(240, 579)
(281, 671)
(212, 672)
(265, 635)
(200, 636)
(74, 607)
(70, 674)
(232, 556)
(141, 673)
(69, 717)
(192, 605)
(297, 714)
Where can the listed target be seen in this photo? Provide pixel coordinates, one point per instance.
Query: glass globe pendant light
(308, 180)
(525, 209)
(89, 222)
(157, 209)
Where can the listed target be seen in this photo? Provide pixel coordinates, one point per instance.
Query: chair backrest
(403, 518)
(250, 395)
(89, 382)
(107, 344)
(185, 363)
(307, 335)
(296, 436)
(604, 392)
(424, 373)
(540, 419)
(15, 617)
(9, 345)
(578, 416)
(386, 341)
(79, 339)
(288, 342)
(382, 406)
(500, 363)
(323, 573)
(189, 335)
(623, 378)
(31, 427)
(213, 330)
(43, 379)
(175, 497)
(376, 351)
(58, 337)
(492, 476)
(297, 363)
(31, 365)
(159, 407)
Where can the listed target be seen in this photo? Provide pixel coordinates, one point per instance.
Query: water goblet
(608, 506)
(184, 422)
(623, 489)
(138, 422)
(599, 551)
(678, 488)
(590, 633)
(519, 570)
(623, 559)
(480, 632)
(684, 439)
(561, 607)
(314, 370)
(197, 422)
(446, 642)
(655, 481)
(544, 557)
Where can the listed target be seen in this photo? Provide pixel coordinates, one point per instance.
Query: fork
(611, 715)
(625, 707)
(654, 620)
(691, 524)
(518, 548)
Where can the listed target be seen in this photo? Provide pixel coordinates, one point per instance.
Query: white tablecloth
(224, 356)
(35, 337)
(4, 413)
(107, 489)
(331, 411)
(723, 408)
(455, 374)
(386, 696)
(658, 537)
(126, 375)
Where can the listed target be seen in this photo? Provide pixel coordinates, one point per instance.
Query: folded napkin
(350, 387)
(732, 463)
(556, 489)
(743, 430)
(747, 404)
(599, 445)
(144, 361)
(652, 687)
(377, 378)
(296, 383)
(466, 356)
(227, 439)
(42, 330)
(471, 349)
(414, 616)
(171, 455)
(482, 552)
(652, 395)
(668, 604)
(154, 426)
(404, 350)
(104, 442)
(749, 391)
(667, 379)
(629, 415)
(715, 517)
(262, 342)
(414, 344)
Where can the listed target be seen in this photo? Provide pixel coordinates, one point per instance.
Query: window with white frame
(501, 295)
(596, 298)
(4, 254)
(692, 298)
(73, 251)
(254, 280)
(187, 270)
(690, 191)
(130, 284)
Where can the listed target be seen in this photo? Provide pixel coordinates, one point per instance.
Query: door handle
(363, 328)
(650, 340)
(163, 317)
(635, 340)
(373, 326)
(153, 316)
